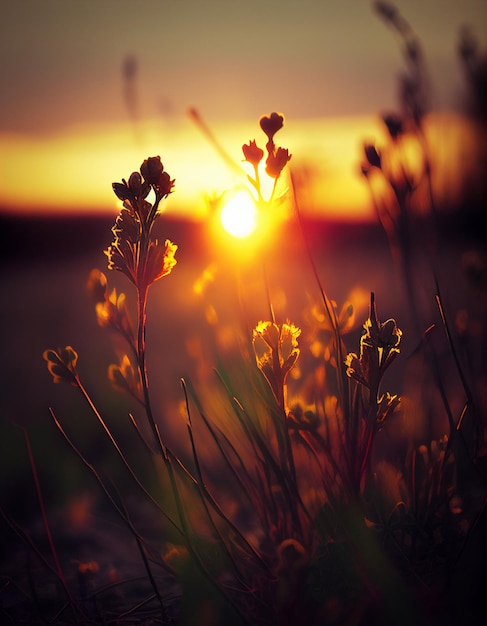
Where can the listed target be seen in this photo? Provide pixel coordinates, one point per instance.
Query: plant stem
(45, 522)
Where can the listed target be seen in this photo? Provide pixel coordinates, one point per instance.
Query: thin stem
(121, 454)
(188, 542)
(122, 512)
(45, 522)
(142, 293)
(256, 184)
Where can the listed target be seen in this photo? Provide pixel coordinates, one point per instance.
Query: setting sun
(239, 215)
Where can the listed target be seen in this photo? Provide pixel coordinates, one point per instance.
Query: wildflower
(252, 153)
(151, 176)
(322, 325)
(394, 125)
(97, 285)
(134, 251)
(372, 155)
(112, 312)
(62, 365)
(154, 175)
(132, 192)
(125, 377)
(270, 124)
(276, 162)
(276, 351)
(383, 337)
(378, 348)
(160, 260)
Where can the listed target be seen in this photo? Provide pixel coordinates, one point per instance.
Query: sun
(239, 215)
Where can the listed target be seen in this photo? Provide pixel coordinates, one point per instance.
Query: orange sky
(73, 170)
(67, 114)
(62, 59)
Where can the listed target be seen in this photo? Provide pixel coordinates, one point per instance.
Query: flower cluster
(135, 251)
(378, 348)
(277, 157)
(276, 351)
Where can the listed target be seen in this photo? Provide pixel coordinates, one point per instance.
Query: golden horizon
(71, 172)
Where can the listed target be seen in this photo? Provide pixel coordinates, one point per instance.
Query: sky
(62, 59)
(62, 71)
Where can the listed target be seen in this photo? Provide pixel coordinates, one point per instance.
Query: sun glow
(239, 215)
(73, 170)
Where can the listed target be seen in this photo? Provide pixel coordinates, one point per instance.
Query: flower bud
(372, 156)
(252, 153)
(97, 285)
(122, 191)
(62, 365)
(276, 162)
(270, 124)
(151, 169)
(394, 125)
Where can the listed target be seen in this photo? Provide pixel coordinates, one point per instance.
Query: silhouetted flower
(372, 155)
(97, 285)
(135, 251)
(132, 192)
(153, 172)
(270, 124)
(62, 365)
(276, 161)
(112, 312)
(378, 348)
(252, 153)
(394, 125)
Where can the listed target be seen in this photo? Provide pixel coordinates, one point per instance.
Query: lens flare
(239, 215)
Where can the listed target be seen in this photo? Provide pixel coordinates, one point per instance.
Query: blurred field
(45, 265)
(44, 268)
